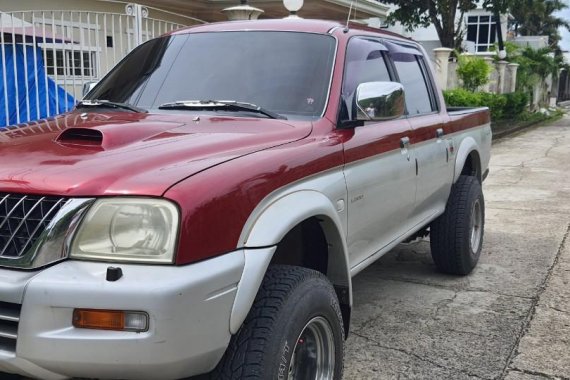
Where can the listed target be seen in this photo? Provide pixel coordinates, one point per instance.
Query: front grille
(23, 218)
(9, 319)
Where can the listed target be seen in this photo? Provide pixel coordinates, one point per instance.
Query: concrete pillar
(501, 67)
(513, 67)
(244, 11)
(487, 86)
(536, 95)
(441, 66)
(563, 86)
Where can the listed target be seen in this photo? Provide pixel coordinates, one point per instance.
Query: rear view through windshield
(284, 72)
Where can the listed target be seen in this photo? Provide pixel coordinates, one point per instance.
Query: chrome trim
(6, 315)
(379, 101)
(52, 244)
(9, 335)
(25, 219)
(9, 323)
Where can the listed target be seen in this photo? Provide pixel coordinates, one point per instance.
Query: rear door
(380, 165)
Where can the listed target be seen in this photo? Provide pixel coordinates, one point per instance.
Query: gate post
(441, 66)
(139, 13)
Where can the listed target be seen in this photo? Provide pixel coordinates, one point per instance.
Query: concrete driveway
(510, 317)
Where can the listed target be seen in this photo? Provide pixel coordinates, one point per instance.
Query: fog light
(110, 320)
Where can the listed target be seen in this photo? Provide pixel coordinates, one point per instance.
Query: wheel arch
(270, 226)
(468, 161)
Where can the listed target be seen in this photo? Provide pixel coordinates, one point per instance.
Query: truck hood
(122, 153)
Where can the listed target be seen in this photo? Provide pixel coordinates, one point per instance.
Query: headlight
(128, 229)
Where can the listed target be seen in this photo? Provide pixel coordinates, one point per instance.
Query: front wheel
(293, 331)
(456, 237)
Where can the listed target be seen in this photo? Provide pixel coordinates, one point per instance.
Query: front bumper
(189, 328)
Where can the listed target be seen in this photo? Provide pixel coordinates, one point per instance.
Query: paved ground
(511, 317)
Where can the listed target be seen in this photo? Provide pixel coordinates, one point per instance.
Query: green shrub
(473, 72)
(501, 106)
(516, 104)
(461, 98)
(495, 102)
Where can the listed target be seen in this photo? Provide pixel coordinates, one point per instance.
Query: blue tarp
(28, 98)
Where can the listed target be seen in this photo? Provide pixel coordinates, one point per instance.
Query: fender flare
(468, 145)
(267, 226)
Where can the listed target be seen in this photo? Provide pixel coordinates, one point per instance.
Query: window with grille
(70, 63)
(481, 30)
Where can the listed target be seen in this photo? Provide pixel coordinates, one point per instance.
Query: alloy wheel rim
(314, 353)
(476, 224)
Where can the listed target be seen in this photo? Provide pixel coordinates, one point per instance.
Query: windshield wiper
(229, 104)
(109, 104)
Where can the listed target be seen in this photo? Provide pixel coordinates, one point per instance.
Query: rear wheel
(456, 237)
(293, 331)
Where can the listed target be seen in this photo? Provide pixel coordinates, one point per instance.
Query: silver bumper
(189, 309)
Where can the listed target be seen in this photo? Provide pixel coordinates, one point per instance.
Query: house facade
(478, 27)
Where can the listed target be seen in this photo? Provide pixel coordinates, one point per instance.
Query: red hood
(123, 153)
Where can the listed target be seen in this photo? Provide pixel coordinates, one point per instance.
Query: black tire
(451, 234)
(288, 299)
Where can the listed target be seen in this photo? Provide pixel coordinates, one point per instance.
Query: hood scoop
(81, 136)
(114, 135)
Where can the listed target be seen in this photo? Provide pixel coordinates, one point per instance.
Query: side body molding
(271, 221)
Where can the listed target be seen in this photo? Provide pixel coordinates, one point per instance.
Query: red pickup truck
(204, 208)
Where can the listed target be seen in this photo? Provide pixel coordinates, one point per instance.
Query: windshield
(284, 72)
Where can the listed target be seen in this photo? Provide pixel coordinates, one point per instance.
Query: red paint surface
(216, 170)
(140, 154)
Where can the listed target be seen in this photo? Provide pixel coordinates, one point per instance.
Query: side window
(364, 63)
(409, 68)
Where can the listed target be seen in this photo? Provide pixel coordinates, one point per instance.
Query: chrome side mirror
(377, 101)
(88, 86)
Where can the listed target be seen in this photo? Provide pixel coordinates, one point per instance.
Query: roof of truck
(293, 25)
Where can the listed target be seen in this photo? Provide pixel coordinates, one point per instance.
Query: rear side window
(409, 68)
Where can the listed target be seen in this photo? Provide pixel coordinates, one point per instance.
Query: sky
(565, 44)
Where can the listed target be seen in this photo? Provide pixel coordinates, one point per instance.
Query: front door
(380, 163)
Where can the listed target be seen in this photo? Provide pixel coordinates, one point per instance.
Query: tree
(537, 18)
(442, 14)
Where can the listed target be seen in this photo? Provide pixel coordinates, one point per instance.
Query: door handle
(439, 133)
(404, 145)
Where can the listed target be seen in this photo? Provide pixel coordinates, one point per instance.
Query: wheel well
(472, 165)
(312, 244)
(304, 246)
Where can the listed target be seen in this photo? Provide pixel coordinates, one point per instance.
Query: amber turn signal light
(116, 320)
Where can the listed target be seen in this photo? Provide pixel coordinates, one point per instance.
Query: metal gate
(47, 56)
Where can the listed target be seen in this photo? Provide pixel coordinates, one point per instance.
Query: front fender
(268, 225)
(272, 222)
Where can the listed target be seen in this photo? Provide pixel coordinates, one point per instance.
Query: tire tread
(449, 233)
(247, 346)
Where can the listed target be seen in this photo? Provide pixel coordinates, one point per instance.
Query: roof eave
(369, 6)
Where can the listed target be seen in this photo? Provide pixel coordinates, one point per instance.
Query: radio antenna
(349, 12)
(353, 4)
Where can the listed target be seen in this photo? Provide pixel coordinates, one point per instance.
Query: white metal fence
(47, 56)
